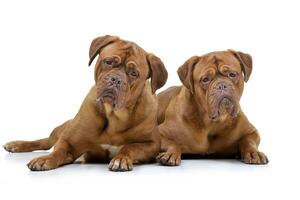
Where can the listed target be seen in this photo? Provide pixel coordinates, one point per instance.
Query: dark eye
(232, 75)
(133, 74)
(205, 80)
(108, 61)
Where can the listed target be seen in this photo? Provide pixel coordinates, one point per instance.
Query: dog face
(122, 70)
(217, 81)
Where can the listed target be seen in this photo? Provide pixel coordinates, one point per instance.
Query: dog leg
(134, 153)
(249, 149)
(27, 146)
(42, 144)
(171, 155)
(61, 155)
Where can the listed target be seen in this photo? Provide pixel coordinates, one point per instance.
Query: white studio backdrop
(44, 76)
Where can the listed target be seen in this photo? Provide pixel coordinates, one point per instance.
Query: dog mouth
(108, 96)
(224, 105)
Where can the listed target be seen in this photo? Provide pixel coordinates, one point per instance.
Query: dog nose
(115, 80)
(221, 86)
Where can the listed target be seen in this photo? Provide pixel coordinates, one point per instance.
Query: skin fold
(117, 121)
(203, 117)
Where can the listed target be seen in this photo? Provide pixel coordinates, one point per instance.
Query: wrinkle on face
(217, 102)
(127, 94)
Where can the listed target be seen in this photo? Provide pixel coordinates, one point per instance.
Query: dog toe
(169, 159)
(11, 147)
(42, 164)
(120, 164)
(255, 157)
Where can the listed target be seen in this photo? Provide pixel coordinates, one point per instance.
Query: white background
(44, 77)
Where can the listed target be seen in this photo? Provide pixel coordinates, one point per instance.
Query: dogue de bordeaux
(203, 117)
(117, 121)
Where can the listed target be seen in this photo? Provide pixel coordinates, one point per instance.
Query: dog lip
(215, 117)
(231, 108)
(227, 99)
(109, 94)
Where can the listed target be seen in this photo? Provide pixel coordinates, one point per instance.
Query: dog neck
(147, 101)
(192, 110)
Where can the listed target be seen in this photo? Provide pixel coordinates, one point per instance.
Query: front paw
(42, 163)
(120, 164)
(254, 157)
(169, 158)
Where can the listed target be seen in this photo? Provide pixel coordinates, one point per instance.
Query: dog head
(122, 69)
(217, 80)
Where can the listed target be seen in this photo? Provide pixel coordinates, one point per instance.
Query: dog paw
(42, 163)
(120, 164)
(14, 146)
(169, 158)
(255, 157)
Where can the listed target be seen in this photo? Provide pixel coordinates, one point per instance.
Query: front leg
(134, 153)
(171, 155)
(248, 147)
(61, 155)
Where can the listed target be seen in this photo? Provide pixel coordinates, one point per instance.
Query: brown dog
(204, 116)
(118, 118)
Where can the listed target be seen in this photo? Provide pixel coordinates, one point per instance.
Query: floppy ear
(185, 73)
(245, 62)
(98, 44)
(158, 72)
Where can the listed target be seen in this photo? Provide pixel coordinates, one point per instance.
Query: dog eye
(133, 74)
(205, 80)
(108, 61)
(232, 75)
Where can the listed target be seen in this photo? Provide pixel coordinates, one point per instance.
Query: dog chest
(111, 149)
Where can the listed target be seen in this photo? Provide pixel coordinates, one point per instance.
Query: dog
(117, 120)
(203, 117)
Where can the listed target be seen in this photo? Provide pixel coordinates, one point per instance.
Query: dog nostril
(118, 82)
(113, 79)
(222, 87)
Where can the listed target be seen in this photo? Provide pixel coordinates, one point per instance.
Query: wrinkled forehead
(127, 51)
(216, 60)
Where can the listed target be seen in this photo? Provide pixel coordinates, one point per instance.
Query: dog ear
(158, 72)
(245, 62)
(98, 44)
(185, 72)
